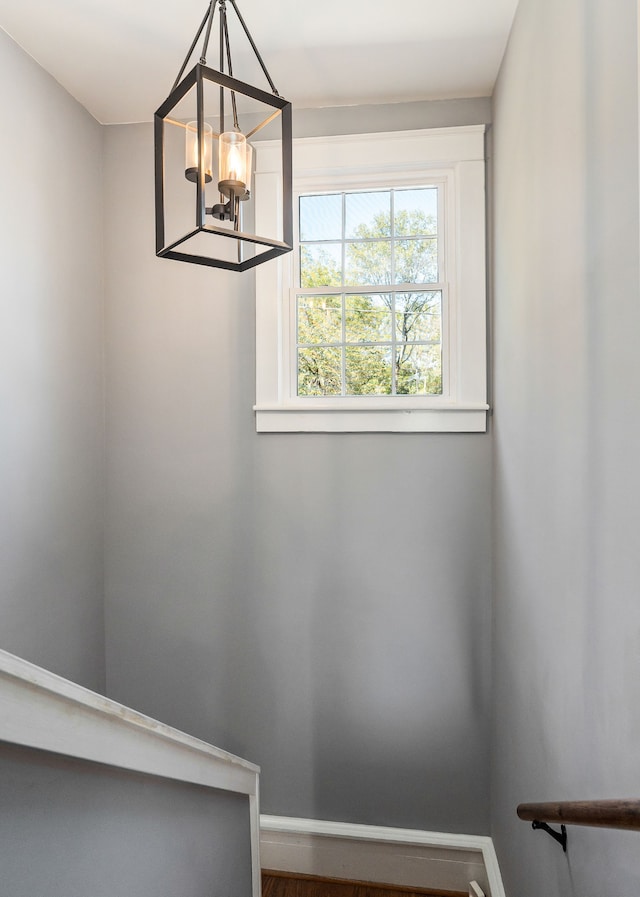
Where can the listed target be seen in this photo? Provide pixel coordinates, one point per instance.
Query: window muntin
(363, 340)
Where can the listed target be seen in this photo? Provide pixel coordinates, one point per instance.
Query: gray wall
(51, 396)
(70, 829)
(74, 829)
(317, 603)
(567, 440)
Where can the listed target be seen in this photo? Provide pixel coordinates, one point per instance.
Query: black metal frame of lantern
(232, 191)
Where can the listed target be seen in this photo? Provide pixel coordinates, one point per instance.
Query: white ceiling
(119, 58)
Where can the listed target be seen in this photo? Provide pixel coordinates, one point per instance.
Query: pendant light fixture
(204, 159)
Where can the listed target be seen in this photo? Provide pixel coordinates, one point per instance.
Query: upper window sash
(344, 185)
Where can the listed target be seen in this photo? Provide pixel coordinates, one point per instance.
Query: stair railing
(623, 814)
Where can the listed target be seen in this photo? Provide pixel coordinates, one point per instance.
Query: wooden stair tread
(297, 884)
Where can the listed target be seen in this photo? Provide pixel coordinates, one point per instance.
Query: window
(381, 333)
(376, 322)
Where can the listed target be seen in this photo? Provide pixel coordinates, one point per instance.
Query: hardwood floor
(294, 884)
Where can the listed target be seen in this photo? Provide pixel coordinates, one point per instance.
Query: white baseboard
(372, 853)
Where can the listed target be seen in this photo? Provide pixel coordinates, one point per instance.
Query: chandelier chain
(205, 46)
(208, 22)
(207, 15)
(230, 69)
(255, 49)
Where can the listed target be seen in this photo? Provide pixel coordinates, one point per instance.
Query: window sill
(373, 419)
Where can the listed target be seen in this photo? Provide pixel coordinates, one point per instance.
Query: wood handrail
(624, 814)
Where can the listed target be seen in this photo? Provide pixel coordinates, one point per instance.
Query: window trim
(455, 155)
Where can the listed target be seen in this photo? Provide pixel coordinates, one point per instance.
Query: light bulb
(235, 166)
(192, 152)
(232, 171)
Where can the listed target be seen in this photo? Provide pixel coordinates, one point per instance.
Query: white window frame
(453, 157)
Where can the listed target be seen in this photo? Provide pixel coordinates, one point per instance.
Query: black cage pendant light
(203, 159)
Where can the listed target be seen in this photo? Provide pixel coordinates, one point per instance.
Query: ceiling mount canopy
(203, 157)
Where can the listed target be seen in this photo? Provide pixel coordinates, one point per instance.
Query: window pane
(319, 372)
(368, 263)
(368, 214)
(416, 212)
(368, 370)
(418, 370)
(321, 265)
(368, 318)
(319, 319)
(321, 217)
(418, 316)
(417, 261)
(368, 249)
